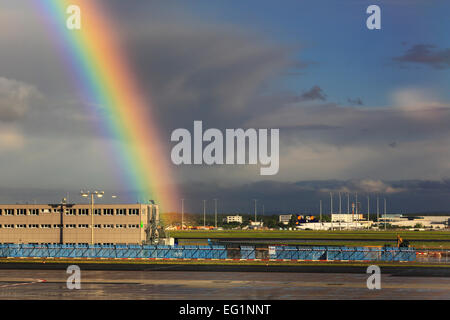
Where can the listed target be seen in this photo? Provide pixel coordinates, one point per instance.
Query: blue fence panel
(206, 252)
(219, 252)
(247, 252)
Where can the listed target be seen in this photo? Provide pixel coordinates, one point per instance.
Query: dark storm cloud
(315, 93)
(208, 73)
(426, 54)
(348, 125)
(304, 196)
(355, 102)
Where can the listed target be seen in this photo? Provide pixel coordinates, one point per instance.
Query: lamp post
(255, 207)
(62, 209)
(86, 194)
(331, 210)
(182, 214)
(215, 212)
(204, 213)
(320, 212)
(378, 211)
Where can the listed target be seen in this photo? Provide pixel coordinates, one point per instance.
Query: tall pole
(368, 211)
(215, 212)
(340, 210)
(61, 229)
(92, 218)
(356, 204)
(204, 213)
(384, 213)
(182, 214)
(348, 203)
(378, 209)
(255, 207)
(331, 209)
(320, 210)
(340, 204)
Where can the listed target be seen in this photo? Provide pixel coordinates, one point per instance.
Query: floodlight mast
(256, 200)
(182, 214)
(204, 213)
(86, 194)
(215, 213)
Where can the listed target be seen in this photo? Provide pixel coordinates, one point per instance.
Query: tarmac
(181, 282)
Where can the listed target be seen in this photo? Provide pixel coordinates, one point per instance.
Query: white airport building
(284, 218)
(334, 225)
(346, 217)
(429, 222)
(236, 218)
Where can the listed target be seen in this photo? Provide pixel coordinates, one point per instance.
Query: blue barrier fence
(207, 252)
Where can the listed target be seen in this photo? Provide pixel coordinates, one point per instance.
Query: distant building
(76, 223)
(236, 218)
(256, 224)
(346, 217)
(305, 219)
(433, 222)
(285, 218)
(333, 226)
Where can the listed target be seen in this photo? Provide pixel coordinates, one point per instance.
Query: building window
(97, 212)
(34, 212)
(121, 212)
(33, 226)
(57, 226)
(98, 226)
(133, 226)
(108, 226)
(108, 212)
(83, 212)
(121, 226)
(83, 226)
(46, 226)
(71, 226)
(9, 212)
(21, 212)
(133, 212)
(71, 212)
(9, 226)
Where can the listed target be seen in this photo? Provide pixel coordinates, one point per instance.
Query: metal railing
(295, 253)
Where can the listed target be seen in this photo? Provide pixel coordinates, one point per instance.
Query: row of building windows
(68, 226)
(70, 212)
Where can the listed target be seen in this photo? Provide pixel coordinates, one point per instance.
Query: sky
(358, 110)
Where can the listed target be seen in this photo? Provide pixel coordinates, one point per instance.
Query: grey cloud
(15, 99)
(393, 144)
(356, 101)
(204, 73)
(403, 196)
(426, 54)
(315, 93)
(345, 125)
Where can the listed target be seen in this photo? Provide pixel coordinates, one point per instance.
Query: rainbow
(106, 83)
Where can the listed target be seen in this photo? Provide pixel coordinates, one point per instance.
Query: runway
(174, 285)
